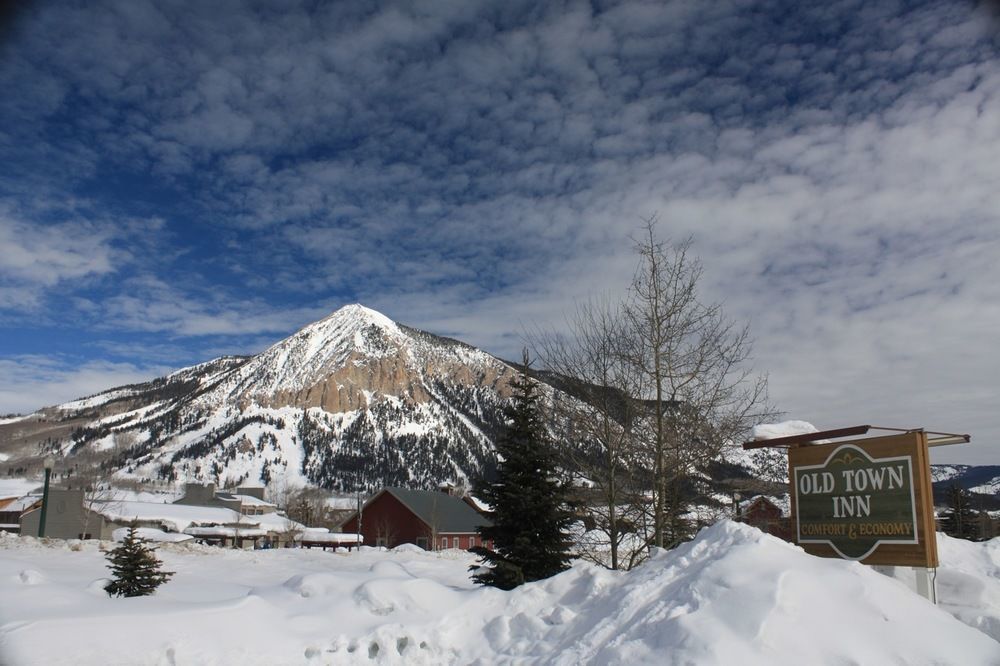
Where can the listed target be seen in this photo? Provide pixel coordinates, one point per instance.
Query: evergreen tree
(960, 521)
(135, 568)
(529, 504)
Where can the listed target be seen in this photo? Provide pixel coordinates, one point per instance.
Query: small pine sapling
(135, 568)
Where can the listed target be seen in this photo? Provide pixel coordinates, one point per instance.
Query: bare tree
(385, 533)
(434, 528)
(701, 392)
(599, 413)
(238, 529)
(305, 505)
(98, 494)
(289, 532)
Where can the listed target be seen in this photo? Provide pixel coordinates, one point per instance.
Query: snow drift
(733, 595)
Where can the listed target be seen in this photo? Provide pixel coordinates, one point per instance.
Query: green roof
(446, 512)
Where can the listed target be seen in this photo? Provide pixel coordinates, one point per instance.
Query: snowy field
(732, 596)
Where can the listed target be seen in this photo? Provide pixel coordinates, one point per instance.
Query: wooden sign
(868, 500)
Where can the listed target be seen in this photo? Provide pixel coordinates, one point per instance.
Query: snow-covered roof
(480, 504)
(21, 503)
(250, 500)
(329, 537)
(151, 534)
(783, 429)
(780, 504)
(276, 522)
(175, 517)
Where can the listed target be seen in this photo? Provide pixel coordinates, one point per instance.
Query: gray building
(66, 517)
(248, 501)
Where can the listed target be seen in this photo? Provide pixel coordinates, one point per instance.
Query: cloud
(470, 166)
(55, 247)
(30, 382)
(152, 305)
(52, 254)
(38, 258)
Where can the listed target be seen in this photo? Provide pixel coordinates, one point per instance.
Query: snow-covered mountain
(982, 480)
(354, 400)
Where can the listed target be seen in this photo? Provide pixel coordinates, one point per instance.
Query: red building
(430, 519)
(766, 516)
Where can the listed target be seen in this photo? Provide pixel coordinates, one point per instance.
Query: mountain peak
(362, 314)
(350, 400)
(327, 344)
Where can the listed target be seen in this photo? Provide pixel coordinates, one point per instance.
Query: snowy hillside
(984, 480)
(732, 596)
(941, 473)
(351, 401)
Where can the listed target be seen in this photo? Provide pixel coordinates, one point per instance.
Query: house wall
(465, 541)
(387, 517)
(252, 491)
(198, 494)
(65, 518)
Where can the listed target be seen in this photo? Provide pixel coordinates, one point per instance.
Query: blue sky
(181, 180)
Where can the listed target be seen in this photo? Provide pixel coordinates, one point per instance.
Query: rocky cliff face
(352, 401)
(340, 363)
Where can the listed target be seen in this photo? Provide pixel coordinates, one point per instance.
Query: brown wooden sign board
(868, 500)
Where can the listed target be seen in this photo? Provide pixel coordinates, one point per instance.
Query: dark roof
(448, 513)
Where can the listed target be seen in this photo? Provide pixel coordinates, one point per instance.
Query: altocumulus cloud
(468, 166)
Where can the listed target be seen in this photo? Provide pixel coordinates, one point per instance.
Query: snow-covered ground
(734, 595)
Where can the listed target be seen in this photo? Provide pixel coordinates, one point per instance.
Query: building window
(422, 542)
(444, 543)
(457, 541)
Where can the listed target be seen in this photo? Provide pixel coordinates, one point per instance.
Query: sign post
(869, 500)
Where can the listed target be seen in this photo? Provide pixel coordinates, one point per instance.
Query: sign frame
(911, 446)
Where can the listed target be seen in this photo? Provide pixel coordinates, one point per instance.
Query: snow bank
(732, 596)
(968, 581)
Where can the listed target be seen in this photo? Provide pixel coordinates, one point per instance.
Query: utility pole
(48, 463)
(359, 518)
